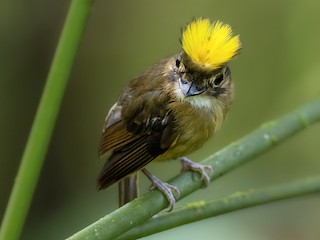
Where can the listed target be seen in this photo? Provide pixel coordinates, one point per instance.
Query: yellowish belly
(195, 127)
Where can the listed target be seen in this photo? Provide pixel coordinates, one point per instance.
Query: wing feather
(114, 138)
(135, 134)
(122, 163)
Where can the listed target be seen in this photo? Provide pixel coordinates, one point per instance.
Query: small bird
(171, 109)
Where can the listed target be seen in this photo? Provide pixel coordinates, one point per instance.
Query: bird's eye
(178, 61)
(218, 79)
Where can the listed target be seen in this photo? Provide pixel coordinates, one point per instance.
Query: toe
(204, 170)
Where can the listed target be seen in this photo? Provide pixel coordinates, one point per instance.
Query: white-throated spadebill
(171, 109)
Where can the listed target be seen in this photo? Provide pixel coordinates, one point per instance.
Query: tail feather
(128, 189)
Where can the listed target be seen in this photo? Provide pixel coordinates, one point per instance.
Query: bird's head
(202, 67)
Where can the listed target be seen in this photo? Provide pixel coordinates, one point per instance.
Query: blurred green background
(277, 71)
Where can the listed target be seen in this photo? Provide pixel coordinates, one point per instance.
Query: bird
(170, 110)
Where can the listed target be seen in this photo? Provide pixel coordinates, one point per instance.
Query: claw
(187, 164)
(165, 188)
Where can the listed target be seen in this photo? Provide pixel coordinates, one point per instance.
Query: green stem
(36, 147)
(264, 138)
(239, 200)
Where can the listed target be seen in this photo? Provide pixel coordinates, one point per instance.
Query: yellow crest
(208, 45)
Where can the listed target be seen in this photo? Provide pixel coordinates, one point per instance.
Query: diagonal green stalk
(264, 138)
(36, 147)
(239, 200)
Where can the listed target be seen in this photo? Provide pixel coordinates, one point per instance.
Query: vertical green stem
(36, 147)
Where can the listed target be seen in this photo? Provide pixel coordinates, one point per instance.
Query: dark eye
(218, 80)
(178, 61)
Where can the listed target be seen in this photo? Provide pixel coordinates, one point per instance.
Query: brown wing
(114, 138)
(133, 143)
(130, 153)
(124, 161)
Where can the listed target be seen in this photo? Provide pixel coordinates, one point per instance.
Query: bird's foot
(204, 170)
(165, 188)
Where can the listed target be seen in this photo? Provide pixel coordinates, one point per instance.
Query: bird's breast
(196, 121)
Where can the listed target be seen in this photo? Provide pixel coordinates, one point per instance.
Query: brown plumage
(170, 110)
(154, 120)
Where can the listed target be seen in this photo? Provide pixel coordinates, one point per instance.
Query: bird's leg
(187, 164)
(165, 188)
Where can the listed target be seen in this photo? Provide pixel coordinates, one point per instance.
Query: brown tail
(128, 189)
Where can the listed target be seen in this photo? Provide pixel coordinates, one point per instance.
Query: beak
(190, 88)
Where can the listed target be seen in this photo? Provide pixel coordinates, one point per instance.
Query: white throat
(198, 101)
